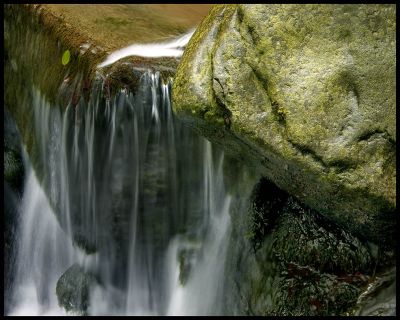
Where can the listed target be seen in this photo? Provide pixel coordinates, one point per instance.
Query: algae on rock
(307, 94)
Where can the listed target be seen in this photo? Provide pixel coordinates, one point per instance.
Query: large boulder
(305, 93)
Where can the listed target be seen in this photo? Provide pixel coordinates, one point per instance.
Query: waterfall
(123, 190)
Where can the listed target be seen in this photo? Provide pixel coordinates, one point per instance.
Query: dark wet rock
(308, 239)
(73, 290)
(379, 298)
(13, 162)
(185, 259)
(304, 264)
(306, 292)
(267, 203)
(11, 215)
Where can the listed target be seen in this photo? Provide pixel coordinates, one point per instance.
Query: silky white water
(133, 198)
(171, 48)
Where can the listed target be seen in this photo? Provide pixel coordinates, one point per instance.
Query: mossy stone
(305, 93)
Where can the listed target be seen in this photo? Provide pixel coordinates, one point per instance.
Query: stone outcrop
(305, 93)
(286, 259)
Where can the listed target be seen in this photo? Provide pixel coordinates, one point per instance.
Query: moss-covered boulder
(307, 94)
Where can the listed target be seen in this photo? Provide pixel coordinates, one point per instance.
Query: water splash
(202, 291)
(44, 251)
(172, 48)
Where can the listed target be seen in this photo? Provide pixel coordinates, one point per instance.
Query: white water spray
(44, 252)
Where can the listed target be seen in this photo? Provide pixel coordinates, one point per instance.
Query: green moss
(295, 91)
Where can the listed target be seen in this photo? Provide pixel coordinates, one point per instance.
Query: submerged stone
(73, 289)
(306, 93)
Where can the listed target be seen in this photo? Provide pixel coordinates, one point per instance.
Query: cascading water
(135, 199)
(43, 253)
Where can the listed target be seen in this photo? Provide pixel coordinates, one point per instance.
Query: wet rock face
(308, 239)
(322, 267)
(297, 262)
(307, 93)
(267, 201)
(307, 292)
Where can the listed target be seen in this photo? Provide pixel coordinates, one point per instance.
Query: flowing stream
(141, 196)
(125, 210)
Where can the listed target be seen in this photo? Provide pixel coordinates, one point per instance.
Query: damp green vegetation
(65, 57)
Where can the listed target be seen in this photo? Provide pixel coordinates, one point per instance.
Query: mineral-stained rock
(307, 93)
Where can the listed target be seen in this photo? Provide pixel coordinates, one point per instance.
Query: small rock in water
(73, 290)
